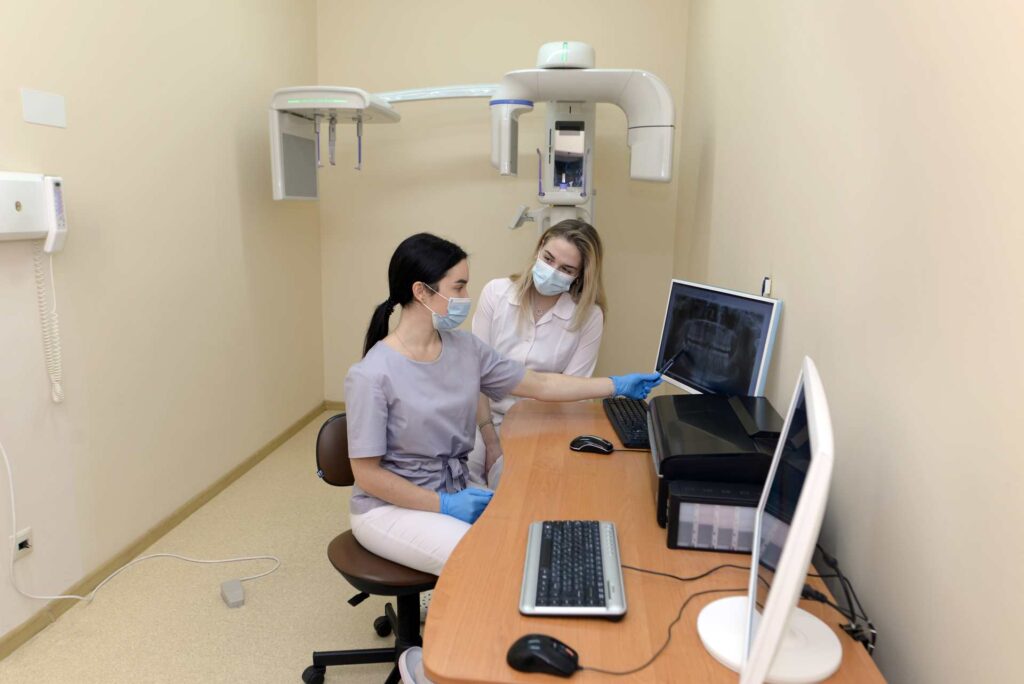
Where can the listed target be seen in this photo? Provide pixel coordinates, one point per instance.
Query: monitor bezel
(766, 355)
(759, 649)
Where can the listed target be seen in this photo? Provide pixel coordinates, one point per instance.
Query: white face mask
(549, 281)
(458, 311)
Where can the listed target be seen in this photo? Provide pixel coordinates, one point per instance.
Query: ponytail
(421, 258)
(378, 329)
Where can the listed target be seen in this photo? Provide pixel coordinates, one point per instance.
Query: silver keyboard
(573, 569)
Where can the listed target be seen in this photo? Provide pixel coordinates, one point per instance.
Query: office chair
(367, 572)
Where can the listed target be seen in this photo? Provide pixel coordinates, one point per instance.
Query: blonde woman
(549, 318)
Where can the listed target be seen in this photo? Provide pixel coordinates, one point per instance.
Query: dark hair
(420, 258)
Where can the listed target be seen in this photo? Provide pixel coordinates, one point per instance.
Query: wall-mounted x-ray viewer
(300, 117)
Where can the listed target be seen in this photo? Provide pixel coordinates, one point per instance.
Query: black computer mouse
(542, 653)
(592, 444)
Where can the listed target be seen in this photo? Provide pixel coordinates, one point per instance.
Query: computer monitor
(783, 644)
(717, 341)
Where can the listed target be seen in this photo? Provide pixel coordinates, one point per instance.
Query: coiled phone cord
(50, 324)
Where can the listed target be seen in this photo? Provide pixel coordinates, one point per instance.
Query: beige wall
(869, 156)
(432, 170)
(190, 302)
(862, 153)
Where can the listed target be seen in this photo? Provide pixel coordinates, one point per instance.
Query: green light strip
(328, 100)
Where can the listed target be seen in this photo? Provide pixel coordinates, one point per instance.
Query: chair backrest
(332, 464)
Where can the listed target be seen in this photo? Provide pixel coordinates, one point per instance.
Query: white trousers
(416, 539)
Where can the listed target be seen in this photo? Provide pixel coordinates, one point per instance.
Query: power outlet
(23, 543)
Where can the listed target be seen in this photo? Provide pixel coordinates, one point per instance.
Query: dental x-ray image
(718, 339)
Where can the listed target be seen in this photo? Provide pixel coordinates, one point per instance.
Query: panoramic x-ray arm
(505, 132)
(642, 96)
(296, 118)
(565, 80)
(440, 93)
(297, 115)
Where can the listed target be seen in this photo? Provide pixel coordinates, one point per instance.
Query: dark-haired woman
(412, 404)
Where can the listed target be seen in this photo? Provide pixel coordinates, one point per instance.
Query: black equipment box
(712, 516)
(710, 438)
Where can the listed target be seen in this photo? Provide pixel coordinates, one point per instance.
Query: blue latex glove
(636, 385)
(466, 505)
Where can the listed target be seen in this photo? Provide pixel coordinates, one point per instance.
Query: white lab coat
(547, 346)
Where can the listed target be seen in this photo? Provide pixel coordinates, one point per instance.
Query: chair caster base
(382, 626)
(314, 675)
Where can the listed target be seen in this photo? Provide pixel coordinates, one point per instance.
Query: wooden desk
(474, 613)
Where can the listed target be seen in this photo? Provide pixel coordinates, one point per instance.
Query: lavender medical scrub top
(420, 416)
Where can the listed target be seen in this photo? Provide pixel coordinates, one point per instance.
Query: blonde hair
(587, 289)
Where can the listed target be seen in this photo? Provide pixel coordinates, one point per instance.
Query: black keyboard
(570, 572)
(629, 418)
(573, 568)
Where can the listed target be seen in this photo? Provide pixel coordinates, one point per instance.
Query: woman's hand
(636, 385)
(466, 505)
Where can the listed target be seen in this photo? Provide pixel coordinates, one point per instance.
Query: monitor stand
(809, 650)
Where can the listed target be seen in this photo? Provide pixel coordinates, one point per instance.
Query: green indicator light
(326, 100)
(565, 51)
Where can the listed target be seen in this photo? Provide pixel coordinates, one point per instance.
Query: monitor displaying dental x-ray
(717, 341)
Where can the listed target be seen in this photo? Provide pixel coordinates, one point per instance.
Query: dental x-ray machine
(565, 78)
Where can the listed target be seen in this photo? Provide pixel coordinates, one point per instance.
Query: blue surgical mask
(549, 281)
(458, 311)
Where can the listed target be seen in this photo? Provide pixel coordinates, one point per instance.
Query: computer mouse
(592, 444)
(542, 653)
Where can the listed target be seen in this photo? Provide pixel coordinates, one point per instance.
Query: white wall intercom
(32, 208)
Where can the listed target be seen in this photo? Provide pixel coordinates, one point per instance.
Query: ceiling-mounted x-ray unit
(565, 78)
